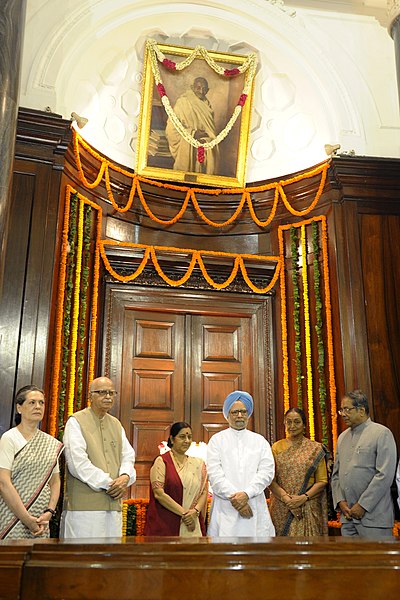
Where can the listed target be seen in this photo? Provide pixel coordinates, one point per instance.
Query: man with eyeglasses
(100, 467)
(240, 466)
(363, 472)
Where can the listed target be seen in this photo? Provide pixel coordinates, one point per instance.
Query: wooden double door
(175, 357)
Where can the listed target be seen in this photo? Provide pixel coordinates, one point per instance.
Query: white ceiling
(326, 70)
(374, 8)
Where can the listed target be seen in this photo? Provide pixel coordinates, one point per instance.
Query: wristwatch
(50, 510)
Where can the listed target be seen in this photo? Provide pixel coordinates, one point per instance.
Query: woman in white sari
(178, 489)
(29, 471)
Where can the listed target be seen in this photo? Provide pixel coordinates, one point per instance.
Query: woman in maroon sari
(298, 503)
(178, 489)
(29, 471)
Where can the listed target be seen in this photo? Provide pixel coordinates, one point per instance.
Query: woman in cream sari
(178, 489)
(29, 472)
(298, 503)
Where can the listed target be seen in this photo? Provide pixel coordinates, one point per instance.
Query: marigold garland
(67, 328)
(75, 312)
(124, 518)
(329, 332)
(190, 192)
(196, 256)
(150, 252)
(284, 334)
(100, 174)
(53, 408)
(318, 329)
(313, 204)
(83, 305)
(328, 316)
(307, 333)
(296, 315)
(95, 295)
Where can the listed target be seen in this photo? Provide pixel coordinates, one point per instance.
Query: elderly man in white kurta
(100, 467)
(240, 466)
(195, 112)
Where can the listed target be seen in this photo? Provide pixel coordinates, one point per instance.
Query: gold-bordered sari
(295, 470)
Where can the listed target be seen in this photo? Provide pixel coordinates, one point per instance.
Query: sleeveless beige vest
(104, 448)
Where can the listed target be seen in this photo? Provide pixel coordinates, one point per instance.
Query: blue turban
(233, 397)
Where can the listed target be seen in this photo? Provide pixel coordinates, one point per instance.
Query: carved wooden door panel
(221, 363)
(152, 394)
(175, 359)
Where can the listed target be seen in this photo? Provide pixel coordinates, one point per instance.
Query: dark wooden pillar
(12, 23)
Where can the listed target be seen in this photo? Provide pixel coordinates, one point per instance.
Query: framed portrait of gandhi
(195, 115)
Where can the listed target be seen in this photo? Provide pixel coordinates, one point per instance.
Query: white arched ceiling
(323, 77)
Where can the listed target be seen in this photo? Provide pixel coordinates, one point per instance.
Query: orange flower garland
(328, 313)
(141, 511)
(284, 334)
(190, 192)
(75, 312)
(329, 334)
(95, 293)
(313, 204)
(141, 506)
(307, 333)
(53, 408)
(56, 370)
(150, 251)
(124, 518)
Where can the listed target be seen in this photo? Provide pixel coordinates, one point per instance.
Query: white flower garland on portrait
(248, 67)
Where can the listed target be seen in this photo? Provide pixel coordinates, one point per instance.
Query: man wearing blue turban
(240, 466)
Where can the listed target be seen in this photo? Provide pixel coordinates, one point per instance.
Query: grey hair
(358, 399)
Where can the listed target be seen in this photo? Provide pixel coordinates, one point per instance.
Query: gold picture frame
(153, 155)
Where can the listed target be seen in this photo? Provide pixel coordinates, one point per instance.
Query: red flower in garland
(161, 90)
(200, 154)
(242, 99)
(231, 72)
(170, 64)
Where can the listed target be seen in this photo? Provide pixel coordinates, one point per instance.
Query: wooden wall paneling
(11, 302)
(334, 257)
(351, 301)
(380, 258)
(42, 139)
(367, 187)
(34, 330)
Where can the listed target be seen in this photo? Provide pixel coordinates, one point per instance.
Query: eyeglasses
(345, 411)
(111, 393)
(235, 413)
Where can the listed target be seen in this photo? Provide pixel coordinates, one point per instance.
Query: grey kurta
(363, 472)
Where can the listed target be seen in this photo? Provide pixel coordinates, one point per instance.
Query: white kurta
(82, 523)
(194, 114)
(239, 461)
